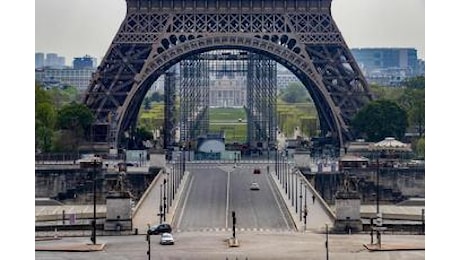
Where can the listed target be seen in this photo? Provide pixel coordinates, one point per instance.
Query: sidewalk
(71, 247)
(393, 247)
(148, 208)
(317, 216)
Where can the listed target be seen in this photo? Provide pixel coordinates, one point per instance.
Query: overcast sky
(73, 28)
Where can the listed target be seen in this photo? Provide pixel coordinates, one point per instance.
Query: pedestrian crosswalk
(212, 166)
(217, 229)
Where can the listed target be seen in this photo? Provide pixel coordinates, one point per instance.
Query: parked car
(166, 239)
(256, 171)
(254, 186)
(159, 229)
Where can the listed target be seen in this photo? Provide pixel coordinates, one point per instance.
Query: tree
(45, 119)
(415, 82)
(156, 97)
(64, 96)
(75, 115)
(380, 119)
(41, 95)
(146, 103)
(295, 93)
(413, 101)
(415, 107)
(420, 147)
(384, 92)
(76, 118)
(143, 134)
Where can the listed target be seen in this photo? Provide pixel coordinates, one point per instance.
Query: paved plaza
(253, 245)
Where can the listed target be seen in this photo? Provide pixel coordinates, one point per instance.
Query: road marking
(185, 201)
(228, 199)
(276, 199)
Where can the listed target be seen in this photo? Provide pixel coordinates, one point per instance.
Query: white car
(254, 186)
(166, 239)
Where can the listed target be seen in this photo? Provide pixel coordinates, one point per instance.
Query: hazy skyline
(74, 28)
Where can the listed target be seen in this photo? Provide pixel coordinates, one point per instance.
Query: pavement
(85, 247)
(250, 245)
(71, 247)
(147, 209)
(319, 214)
(393, 247)
(53, 242)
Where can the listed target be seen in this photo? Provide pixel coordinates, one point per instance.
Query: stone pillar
(118, 215)
(348, 212)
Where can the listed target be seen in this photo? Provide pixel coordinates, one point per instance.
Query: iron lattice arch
(299, 34)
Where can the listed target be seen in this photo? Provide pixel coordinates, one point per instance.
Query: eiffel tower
(155, 34)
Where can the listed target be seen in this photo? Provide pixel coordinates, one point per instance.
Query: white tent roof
(390, 143)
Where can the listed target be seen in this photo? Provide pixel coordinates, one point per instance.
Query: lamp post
(96, 164)
(171, 188)
(276, 163)
(300, 197)
(140, 159)
(161, 206)
(183, 163)
(165, 208)
(285, 174)
(296, 200)
(305, 208)
(268, 149)
(292, 187)
(378, 187)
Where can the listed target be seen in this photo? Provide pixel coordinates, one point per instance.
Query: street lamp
(140, 159)
(276, 163)
(170, 188)
(183, 163)
(285, 174)
(97, 163)
(165, 208)
(268, 149)
(300, 196)
(378, 187)
(161, 206)
(296, 201)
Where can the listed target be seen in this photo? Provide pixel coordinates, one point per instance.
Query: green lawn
(228, 119)
(226, 114)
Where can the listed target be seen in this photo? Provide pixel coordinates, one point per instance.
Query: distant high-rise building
(60, 77)
(387, 66)
(39, 60)
(51, 60)
(54, 61)
(85, 62)
(421, 67)
(61, 61)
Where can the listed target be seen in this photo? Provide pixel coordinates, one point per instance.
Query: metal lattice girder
(170, 109)
(261, 99)
(156, 34)
(194, 99)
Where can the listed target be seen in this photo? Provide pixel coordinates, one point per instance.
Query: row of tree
(394, 112)
(61, 123)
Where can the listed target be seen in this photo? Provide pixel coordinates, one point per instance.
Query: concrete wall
(76, 186)
(396, 184)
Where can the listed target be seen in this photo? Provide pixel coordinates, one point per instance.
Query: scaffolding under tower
(194, 99)
(261, 101)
